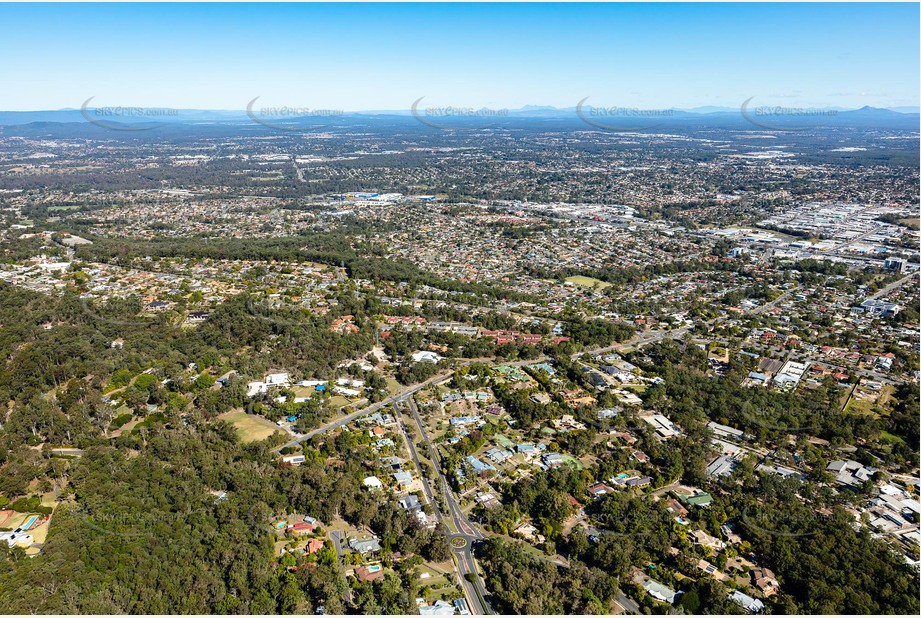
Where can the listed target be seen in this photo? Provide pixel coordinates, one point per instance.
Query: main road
(770, 305)
(435, 380)
(345, 420)
(463, 561)
(467, 534)
(892, 286)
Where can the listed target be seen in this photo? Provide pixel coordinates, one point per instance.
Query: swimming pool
(29, 522)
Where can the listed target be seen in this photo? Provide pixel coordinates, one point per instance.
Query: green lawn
(304, 391)
(572, 460)
(393, 386)
(588, 282)
(888, 437)
(858, 406)
(251, 428)
(338, 401)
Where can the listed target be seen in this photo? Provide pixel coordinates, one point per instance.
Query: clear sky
(378, 56)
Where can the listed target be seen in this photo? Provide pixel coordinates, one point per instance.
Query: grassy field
(885, 394)
(860, 406)
(572, 460)
(303, 391)
(912, 222)
(888, 437)
(338, 401)
(251, 428)
(588, 282)
(845, 397)
(393, 386)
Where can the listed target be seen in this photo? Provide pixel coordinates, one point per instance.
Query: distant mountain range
(756, 114)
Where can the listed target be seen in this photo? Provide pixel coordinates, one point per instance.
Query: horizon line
(699, 109)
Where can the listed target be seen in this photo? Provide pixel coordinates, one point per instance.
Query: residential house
(438, 608)
(497, 455)
(478, 466)
(663, 427)
(403, 479)
(700, 537)
(711, 570)
(410, 502)
(314, 545)
(599, 489)
(370, 573)
(366, 544)
(301, 528)
(659, 591)
(752, 605)
(638, 481)
(530, 533)
(425, 356)
(765, 581)
(850, 472)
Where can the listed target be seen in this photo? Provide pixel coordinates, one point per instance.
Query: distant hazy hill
(906, 118)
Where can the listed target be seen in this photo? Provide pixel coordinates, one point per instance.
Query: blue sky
(377, 56)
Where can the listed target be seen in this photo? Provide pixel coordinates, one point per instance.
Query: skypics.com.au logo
(451, 118)
(778, 118)
(125, 118)
(622, 119)
(800, 522)
(777, 420)
(289, 118)
(632, 523)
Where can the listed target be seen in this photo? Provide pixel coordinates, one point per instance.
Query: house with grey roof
(749, 603)
(659, 591)
(849, 472)
(478, 466)
(409, 502)
(403, 478)
(363, 546)
(498, 455)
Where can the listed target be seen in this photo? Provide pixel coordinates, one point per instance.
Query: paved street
(474, 590)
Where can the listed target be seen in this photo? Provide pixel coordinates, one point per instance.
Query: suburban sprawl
(375, 367)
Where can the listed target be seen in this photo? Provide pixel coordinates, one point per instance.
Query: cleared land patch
(251, 428)
(588, 282)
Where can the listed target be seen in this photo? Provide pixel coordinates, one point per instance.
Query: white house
(659, 591)
(256, 388)
(277, 379)
(424, 356)
(16, 538)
